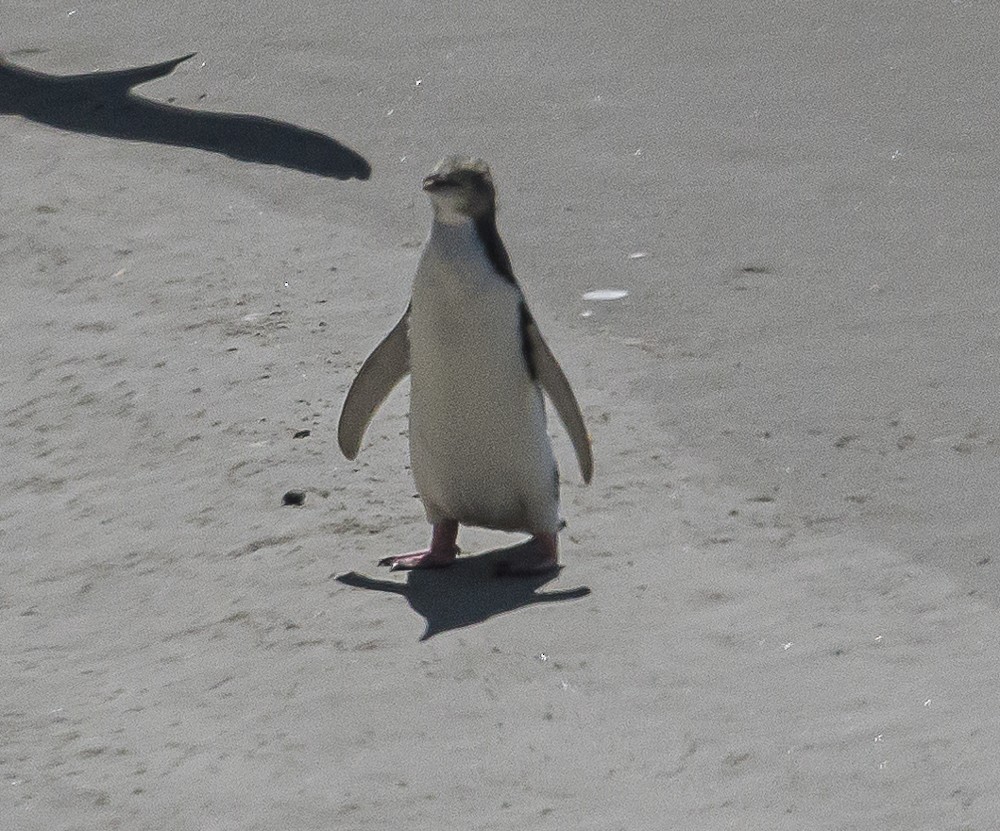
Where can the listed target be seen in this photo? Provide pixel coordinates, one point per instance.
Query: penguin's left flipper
(388, 364)
(553, 381)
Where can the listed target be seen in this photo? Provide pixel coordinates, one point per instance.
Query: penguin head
(460, 189)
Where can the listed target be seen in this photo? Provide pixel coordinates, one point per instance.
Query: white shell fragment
(605, 294)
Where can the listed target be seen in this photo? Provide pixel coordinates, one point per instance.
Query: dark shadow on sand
(102, 104)
(466, 593)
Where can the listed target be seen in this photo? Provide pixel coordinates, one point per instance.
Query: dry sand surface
(779, 602)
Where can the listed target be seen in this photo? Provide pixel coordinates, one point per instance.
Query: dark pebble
(294, 497)
(301, 434)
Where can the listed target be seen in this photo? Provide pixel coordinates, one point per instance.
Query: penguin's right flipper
(381, 371)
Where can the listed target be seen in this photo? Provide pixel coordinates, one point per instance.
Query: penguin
(479, 448)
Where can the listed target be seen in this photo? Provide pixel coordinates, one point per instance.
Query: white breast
(478, 443)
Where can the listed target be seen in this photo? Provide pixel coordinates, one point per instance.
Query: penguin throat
(480, 232)
(448, 214)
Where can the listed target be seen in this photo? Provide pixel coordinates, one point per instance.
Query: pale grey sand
(789, 542)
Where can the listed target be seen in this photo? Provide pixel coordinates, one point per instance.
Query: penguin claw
(442, 552)
(419, 559)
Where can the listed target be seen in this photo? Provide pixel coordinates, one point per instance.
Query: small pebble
(605, 294)
(294, 497)
(301, 434)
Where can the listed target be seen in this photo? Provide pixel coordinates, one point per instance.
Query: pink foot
(539, 555)
(441, 553)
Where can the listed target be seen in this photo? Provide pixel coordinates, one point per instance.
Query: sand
(779, 602)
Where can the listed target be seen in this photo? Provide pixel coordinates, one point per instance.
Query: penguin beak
(434, 182)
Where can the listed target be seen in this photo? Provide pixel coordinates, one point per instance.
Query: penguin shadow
(103, 104)
(465, 593)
